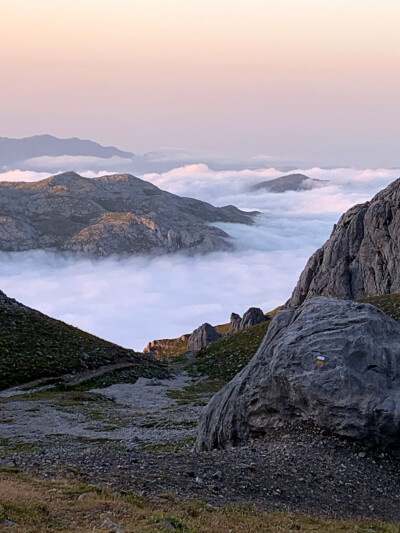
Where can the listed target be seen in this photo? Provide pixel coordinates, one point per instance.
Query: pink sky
(307, 79)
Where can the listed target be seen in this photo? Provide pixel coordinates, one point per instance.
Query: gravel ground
(147, 449)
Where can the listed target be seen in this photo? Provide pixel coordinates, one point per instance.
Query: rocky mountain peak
(362, 256)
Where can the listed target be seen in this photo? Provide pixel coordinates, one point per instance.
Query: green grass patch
(224, 358)
(388, 303)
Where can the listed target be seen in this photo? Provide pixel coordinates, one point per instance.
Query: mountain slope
(361, 257)
(292, 182)
(117, 214)
(33, 345)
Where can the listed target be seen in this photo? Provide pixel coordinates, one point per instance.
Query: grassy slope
(43, 506)
(388, 303)
(224, 358)
(34, 346)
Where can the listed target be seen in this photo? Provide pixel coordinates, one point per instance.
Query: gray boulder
(354, 393)
(202, 336)
(252, 316)
(234, 324)
(361, 257)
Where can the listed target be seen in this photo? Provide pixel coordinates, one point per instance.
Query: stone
(111, 526)
(252, 316)
(354, 393)
(234, 324)
(202, 336)
(361, 257)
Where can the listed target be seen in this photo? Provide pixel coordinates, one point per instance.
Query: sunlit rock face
(110, 215)
(362, 256)
(332, 363)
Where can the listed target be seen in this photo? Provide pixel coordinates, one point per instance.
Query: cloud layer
(136, 300)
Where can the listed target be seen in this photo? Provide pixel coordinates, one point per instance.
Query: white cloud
(136, 300)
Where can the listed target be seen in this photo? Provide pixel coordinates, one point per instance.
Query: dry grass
(44, 506)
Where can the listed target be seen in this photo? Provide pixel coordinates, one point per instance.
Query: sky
(310, 80)
(136, 300)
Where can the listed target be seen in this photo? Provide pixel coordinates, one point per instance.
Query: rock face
(362, 256)
(354, 393)
(292, 182)
(202, 336)
(252, 316)
(117, 214)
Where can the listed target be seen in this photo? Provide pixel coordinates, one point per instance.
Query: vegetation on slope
(35, 505)
(388, 303)
(227, 356)
(33, 345)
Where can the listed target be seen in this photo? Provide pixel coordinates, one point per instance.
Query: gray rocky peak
(291, 182)
(118, 214)
(202, 336)
(362, 256)
(332, 363)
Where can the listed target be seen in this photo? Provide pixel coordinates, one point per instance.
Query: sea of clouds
(135, 300)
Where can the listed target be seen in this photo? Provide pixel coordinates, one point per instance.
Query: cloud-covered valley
(135, 300)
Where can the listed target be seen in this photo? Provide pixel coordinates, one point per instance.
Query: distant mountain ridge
(291, 182)
(116, 214)
(14, 151)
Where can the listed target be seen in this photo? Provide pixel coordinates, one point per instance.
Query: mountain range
(118, 214)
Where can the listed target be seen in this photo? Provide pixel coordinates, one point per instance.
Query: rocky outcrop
(117, 214)
(252, 316)
(161, 348)
(202, 336)
(292, 182)
(332, 363)
(33, 345)
(234, 324)
(362, 256)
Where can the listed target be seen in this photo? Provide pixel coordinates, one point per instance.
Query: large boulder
(361, 257)
(252, 316)
(355, 392)
(202, 336)
(234, 324)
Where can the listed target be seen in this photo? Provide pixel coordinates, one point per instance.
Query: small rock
(9, 523)
(111, 526)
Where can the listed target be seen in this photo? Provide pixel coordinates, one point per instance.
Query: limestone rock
(202, 336)
(252, 316)
(362, 256)
(234, 324)
(354, 393)
(117, 214)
